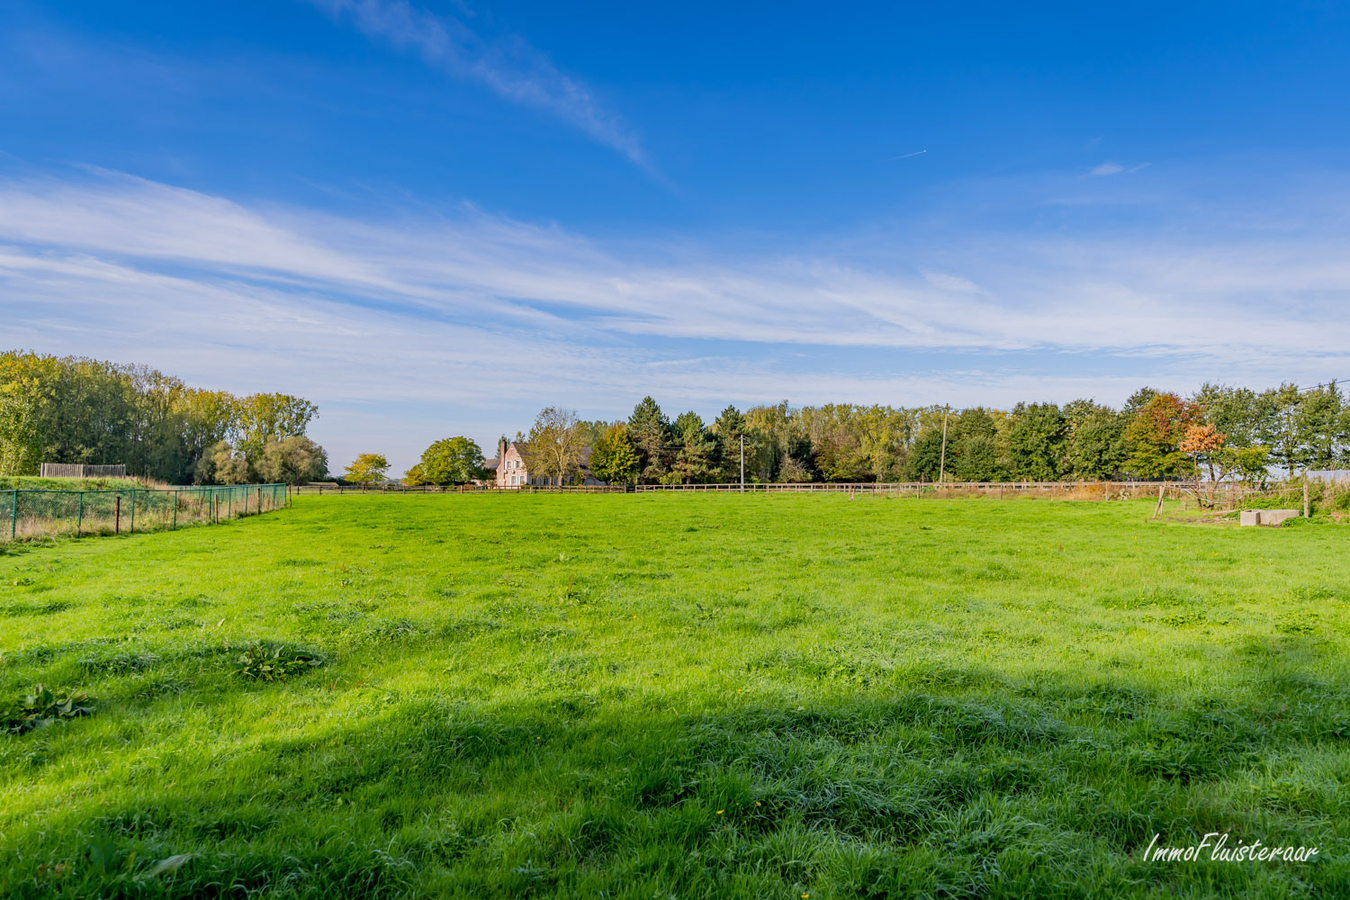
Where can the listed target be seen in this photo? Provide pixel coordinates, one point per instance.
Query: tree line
(1221, 432)
(77, 410)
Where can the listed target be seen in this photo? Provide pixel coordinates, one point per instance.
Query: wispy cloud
(1113, 168)
(403, 325)
(509, 66)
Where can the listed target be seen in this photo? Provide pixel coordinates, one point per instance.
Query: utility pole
(742, 464)
(942, 464)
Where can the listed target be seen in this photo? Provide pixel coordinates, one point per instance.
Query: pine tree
(649, 430)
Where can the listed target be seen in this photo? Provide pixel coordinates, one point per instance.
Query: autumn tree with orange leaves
(1154, 437)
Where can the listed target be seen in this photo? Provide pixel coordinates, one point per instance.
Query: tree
(1278, 428)
(368, 468)
(972, 446)
(553, 447)
(1204, 443)
(1253, 463)
(1344, 431)
(222, 464)
(77, 410)
(925, 457)
(727, 430)
(696, 449)
(1137, 401)
(614, 459)
(293, 460)
(1154, 436)
(649, 430)
(780, 434)
(415, 477)
(793, 472)
(593, 430)
(1317, 426)
(1232, 411)
(455, 460)
(1095, 446)
(1037, 441)
(271, 417)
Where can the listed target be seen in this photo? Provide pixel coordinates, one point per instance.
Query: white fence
(78, 470)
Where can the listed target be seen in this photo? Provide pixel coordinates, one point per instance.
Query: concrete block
(1250, 517)
(1276, 516)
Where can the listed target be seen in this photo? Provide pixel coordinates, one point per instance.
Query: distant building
(508, 470)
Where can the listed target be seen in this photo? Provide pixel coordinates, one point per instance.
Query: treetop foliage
(76, 410)
(1081, 440)
(367, 468)
(455, 460)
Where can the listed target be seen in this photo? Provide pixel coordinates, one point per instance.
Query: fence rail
(344, 489)
(34, 513)
(1067, 490)
(1083, 490)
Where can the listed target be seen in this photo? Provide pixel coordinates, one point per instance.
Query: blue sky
(434, 218)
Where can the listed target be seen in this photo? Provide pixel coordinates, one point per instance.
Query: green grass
(679, 696)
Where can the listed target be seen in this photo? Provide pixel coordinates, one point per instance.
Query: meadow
(675, 696)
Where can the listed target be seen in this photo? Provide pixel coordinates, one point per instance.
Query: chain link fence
(30, 514)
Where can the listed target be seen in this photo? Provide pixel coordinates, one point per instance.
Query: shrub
(275, 662)
(42, 707)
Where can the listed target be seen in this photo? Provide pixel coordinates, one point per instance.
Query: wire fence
(34, 514)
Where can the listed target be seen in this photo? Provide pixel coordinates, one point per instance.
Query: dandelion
(757, 803)
(720, 811)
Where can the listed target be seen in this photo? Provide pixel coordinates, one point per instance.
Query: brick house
(508, 469)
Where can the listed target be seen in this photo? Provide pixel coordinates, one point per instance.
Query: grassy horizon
(678, 695)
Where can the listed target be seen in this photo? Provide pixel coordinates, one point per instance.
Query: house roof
(491, 463)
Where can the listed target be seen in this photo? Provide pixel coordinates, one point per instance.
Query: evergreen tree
(649, 430)
(695, 457)
(727, 431)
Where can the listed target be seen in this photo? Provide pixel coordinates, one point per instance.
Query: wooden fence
(79, 470)
(345, 489)
(1067, 490)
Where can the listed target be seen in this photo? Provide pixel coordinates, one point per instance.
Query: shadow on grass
(1051, 790)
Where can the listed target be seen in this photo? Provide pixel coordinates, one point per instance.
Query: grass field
(678, 696)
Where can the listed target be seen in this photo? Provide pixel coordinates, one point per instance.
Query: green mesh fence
(32, 514)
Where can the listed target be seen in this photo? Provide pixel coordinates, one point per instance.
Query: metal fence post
(14, 517)
(174, 527)
(133, 512)
(79, 519)
(117, 516)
